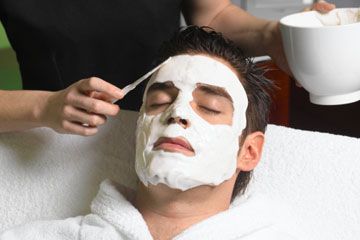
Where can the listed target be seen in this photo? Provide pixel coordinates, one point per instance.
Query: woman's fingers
(93, 105)
(78, 116)
(77, 128)
(323, 6)
(91, 100)
(99, 85)
(82, 107)
(101, 96)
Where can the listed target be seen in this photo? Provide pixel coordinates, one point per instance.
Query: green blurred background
(9, 69)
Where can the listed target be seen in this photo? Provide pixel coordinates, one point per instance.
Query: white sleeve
(67, 229)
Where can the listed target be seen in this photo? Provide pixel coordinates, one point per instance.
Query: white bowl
(324, 59)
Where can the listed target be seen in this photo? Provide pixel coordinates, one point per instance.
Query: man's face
(189, 126)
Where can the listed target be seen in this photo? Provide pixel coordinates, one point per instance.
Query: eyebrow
(214, 90)
(161, 86)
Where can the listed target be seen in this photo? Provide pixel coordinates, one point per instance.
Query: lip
(174, 145)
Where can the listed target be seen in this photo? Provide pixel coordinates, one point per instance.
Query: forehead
(186, 72)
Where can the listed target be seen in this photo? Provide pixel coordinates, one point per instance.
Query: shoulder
(49, 230)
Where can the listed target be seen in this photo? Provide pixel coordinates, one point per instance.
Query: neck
(168, 212)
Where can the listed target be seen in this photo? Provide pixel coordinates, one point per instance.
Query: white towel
(45, 175)
(317, 174)
(114, 218)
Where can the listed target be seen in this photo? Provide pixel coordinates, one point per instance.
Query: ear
(250, 152)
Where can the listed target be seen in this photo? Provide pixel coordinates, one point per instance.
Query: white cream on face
(215, 145)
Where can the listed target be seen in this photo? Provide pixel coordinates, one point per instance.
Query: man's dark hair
(204, 40)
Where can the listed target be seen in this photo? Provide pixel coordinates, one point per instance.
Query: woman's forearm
(21, 110)
(254, 35)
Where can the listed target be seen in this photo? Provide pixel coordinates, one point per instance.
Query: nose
(184, 123)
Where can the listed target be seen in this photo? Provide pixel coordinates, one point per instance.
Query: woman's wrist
(39, 111)
(272, 38)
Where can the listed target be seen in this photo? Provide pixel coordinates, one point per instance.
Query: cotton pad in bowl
(323, 52)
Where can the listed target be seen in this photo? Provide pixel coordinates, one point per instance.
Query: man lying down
(200, 133)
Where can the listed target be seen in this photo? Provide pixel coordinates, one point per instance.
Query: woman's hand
(81, 108)
(321, 6)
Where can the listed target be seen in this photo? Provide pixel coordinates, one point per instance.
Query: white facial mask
(215, 145)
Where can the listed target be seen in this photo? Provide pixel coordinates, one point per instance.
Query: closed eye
(156, 105)
(209, 110)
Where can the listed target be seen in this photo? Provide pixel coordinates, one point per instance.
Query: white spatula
(133, 85)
